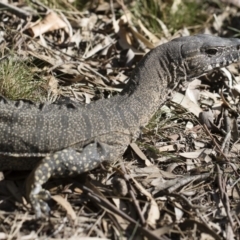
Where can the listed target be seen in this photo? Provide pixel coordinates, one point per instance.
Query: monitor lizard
(58, 140)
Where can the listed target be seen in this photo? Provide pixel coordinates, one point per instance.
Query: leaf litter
(179, 181)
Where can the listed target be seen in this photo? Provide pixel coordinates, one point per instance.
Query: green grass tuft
(17, 81)
(189, 13)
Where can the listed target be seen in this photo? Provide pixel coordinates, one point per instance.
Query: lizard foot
(38, 197)
(64, 163)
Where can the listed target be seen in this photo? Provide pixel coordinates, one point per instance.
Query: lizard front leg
(67, 162)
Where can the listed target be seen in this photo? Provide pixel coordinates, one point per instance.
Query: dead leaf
(193, 91)
(155, 40)
(168, 148)
(66, 205)
(140, 37)
(196, 154)
(186, 103)
(51, 22)
(139, 152)
(178, 212)
(206, 117)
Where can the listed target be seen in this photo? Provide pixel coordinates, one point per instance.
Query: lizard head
(202, 53)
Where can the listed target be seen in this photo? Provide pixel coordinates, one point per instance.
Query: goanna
(57, 140)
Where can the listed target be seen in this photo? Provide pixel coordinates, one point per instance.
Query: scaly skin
(58, 140)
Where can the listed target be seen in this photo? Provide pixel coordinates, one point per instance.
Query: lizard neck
(149, 86)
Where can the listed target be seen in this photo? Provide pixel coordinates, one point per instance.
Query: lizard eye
(211, 51)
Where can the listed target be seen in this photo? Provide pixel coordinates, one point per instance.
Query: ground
(180, 179)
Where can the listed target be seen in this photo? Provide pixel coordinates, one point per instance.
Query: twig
(219, 149)
(112, 209)
(15, 10)
(226, 142)
(95, 224)
(224, 196)
(135, 202)
(215, 143)
(187, 202)
(186, 180)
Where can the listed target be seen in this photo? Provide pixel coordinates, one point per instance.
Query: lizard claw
(38, 197)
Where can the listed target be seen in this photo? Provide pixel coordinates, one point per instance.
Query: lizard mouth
(223, 63)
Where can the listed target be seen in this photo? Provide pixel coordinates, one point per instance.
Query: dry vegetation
(181, 179)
